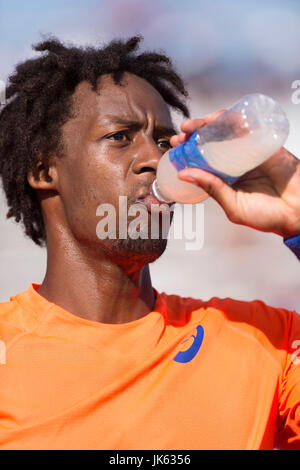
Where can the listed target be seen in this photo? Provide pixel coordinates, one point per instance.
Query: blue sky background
(226, 44)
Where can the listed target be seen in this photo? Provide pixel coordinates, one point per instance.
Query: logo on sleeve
(296, 354)
(2, 352)
(190, 353)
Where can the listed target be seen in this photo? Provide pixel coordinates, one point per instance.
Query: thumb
(224, 194)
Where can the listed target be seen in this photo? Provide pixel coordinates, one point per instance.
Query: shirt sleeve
(289, 400)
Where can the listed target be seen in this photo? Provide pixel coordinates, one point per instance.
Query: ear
(45, 178)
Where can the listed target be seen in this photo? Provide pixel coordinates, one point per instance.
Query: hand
(266, 198)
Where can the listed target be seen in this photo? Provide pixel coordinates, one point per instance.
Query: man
(95, 357)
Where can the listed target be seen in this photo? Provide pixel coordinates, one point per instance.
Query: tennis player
(95, 357)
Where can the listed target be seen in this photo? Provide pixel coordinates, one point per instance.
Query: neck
(95, 287)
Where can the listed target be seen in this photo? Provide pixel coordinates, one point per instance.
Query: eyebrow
(136, 125)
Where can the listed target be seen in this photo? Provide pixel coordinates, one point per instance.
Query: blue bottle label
(187, 155)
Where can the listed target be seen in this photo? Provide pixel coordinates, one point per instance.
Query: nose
(147, 157)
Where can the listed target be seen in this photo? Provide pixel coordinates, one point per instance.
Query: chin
(138, 248)
(137, 251)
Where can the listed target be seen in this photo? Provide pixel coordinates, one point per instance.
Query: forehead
(134, 98)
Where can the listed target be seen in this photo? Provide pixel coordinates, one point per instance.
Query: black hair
(39, 103)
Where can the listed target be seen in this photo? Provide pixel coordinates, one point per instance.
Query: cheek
(83, 190)
(77, 198)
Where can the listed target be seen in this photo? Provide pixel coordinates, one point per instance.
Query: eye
(164, 144)
(120, 136)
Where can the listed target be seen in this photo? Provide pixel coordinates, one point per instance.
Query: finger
(190, 125)
(179, 139)
(224, 194)
(214, 115)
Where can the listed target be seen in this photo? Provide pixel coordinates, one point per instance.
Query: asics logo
(189, 354)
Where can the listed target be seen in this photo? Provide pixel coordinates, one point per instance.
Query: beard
(137, 252)
(145, 242)
(127, 233)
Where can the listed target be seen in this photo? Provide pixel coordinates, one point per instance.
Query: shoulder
(11, 323)
(177, 309)
(276, 323)
(8, 309)
(255, 317)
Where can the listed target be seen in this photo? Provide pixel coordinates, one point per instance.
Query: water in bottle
(238, 140)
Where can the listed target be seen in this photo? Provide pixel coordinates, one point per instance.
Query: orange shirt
(220, 374)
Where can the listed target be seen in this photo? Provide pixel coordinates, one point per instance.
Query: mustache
(132, 196)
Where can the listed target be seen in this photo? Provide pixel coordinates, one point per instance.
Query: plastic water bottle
(238, 140)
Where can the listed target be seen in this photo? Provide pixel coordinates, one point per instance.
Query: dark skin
(103, 159)
(108, 281)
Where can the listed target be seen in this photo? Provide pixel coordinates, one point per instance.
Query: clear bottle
(238, 140)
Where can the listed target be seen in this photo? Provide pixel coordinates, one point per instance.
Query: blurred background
(224, 50)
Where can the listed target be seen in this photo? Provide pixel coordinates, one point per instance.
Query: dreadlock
(39, 103)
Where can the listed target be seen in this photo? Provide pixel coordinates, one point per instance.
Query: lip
(153, 205)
